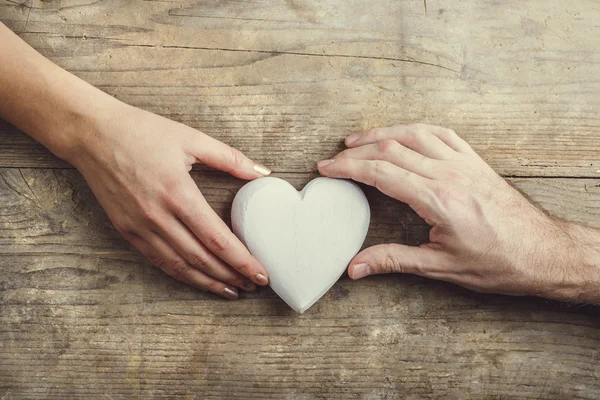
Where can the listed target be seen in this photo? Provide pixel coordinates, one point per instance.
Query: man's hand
(484, 234)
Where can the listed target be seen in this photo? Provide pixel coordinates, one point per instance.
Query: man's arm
(485, 235)
(137, 164)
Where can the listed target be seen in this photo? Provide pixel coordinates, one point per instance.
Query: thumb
(218, 155)
(395, 258)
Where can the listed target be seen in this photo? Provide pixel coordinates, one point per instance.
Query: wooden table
(82, 315)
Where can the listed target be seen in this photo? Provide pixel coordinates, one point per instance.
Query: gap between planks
(303, 173)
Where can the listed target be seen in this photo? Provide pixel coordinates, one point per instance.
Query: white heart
(304, 239)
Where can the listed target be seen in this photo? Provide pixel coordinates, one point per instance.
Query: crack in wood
(272, 52)
(20, 4)
(407, 60)
(22, 195)
(30, 189)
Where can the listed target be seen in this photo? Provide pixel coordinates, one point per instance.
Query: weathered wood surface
(284, 79)
(82, 315)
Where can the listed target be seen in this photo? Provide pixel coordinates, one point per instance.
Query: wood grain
(284, 81)
(83, 315)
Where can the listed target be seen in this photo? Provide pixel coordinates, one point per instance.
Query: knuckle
(374, 133)
(444, 196)
(418, 127)
(440, 190)
(388, 145)
(172, 191)
(380, 170)
(457, 176)
(179, 201)
(245, 268)
(390, 264)
(422, 160)
(214, 287)
(149, 213)
(200, 260)
(343, 155)
(178, 269)
(218, 242)
(450, 133)
(157, 260)
(171, 186)
(412, 137)
(236, 158)
(447, 135)
(124, 229)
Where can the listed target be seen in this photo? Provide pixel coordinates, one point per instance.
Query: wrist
(48, 103)
(77, 114)
(576, 266)
(84, 125)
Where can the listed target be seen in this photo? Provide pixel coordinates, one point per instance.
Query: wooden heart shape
(304, 239)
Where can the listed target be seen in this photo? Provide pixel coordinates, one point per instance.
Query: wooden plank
(285, 83)
(82, 315)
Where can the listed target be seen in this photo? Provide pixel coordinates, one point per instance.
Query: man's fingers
(159, 253)
(199, 257)
(393, 181)
(451, 138)
(200, 218)
(417, 137)
(216, 154)
(391, 151)
(397, 258)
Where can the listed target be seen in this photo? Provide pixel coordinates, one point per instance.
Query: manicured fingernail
(248, 286)
(324, 163)
(360, 271)
(352, 138)
(261, 279)
(261, 169)
(230, 293)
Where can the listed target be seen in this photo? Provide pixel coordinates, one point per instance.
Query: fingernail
(261, 279)
(360, 271)
(352, 138)
(230, 293)
(261, 169)
(248, 286)
(324, 163)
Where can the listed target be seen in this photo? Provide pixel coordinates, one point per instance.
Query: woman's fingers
(418, 137)
(195, 212)
(391, 151)
(161, 254)
(394, 181)
(197, 215)
(199, 257)
(216, 154)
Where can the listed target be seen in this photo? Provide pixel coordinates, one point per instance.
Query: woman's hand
(137, 164)
(484, 234)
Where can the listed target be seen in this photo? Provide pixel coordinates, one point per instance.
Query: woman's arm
(137, 164)
(484, 234)
(48, 103)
